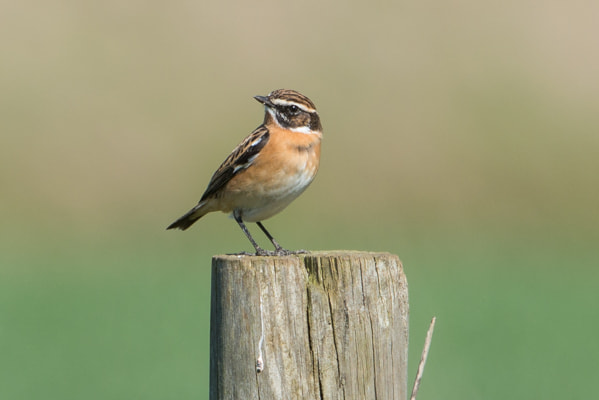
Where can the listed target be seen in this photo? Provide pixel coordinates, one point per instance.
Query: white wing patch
(247, 164)
(256, 141)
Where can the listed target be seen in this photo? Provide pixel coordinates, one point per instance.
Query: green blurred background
(462, 136)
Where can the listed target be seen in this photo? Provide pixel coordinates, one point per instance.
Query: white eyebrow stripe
(281, 102)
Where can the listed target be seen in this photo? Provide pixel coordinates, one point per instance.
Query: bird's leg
(259, 250)
(278, 249)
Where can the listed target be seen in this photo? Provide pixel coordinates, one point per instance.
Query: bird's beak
(264, 100)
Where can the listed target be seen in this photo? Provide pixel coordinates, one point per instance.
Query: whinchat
(268, 170)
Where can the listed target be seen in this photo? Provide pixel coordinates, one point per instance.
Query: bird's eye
(293, 109)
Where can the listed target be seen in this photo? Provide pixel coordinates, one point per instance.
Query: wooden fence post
(324, 325)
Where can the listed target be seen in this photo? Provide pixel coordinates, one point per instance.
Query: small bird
(268, 170)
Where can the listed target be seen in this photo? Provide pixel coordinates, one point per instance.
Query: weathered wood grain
(334, 326)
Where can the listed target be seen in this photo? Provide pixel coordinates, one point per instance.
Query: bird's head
(291, 110)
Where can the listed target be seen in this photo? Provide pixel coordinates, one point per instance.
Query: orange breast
(282, 170)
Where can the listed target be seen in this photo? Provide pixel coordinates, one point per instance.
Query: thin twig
(427, 345)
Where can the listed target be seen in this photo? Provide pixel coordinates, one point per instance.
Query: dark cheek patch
(315, 123)
(283, 120)
(297, 121)
(303, 120)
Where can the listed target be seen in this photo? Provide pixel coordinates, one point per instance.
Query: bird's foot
(241, 253)
(265, 253)
(283, 252)
(260, 252)
(301, 251)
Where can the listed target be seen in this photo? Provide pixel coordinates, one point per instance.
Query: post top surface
(317, 254)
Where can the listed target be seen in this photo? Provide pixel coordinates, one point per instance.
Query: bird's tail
(190, 217)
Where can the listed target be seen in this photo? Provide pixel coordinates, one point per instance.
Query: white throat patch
(303, 129)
